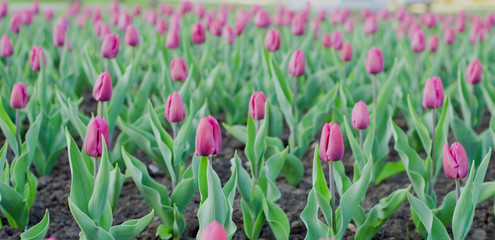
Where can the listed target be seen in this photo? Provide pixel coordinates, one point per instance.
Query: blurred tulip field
(188, 121)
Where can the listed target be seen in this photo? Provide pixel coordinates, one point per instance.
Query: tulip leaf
(128, 230)
(118, 97)
(239, 132)
(13, 206)
(99, 198)
(38, 231)
(420, 127)
(465, 135)
(442, 131)
(8, 129)
(283, 93)
(278, 221)
(359, 158)
(433, 226)
(464, 98)
(116, 182)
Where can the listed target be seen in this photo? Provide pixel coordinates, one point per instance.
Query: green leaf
(278, 221)
(99, 197)
(128, 230)
(283, 93)
(38, 231)
(420, 127)
(239, 132)
(88, 228)
(433, 226)
(8, 129)
(13, 207)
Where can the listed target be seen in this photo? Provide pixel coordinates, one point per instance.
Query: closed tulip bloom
(474, 72)
(449, 36)
(215, 27)
(331, 143)
(297, 63)
(174, 108)
(214, 231)
(93, 142)
(262, 19)
(272, 40)
(198, 34)
(326, 40)
(360, 116)
(136, 10)
(298, 25)
(125, 20)
(433, 93)
(81, 20)
(337, 40)
(36, 56)
(455, 161)
(477, 34)
(433, 43)
(18, 97)
(370, 26)
(161, 26)
(178, 70)
(460, 24)
(430, 20)
(348, 27)
(27, 17)
(6, 46)
(114, 18)
(59, 35)
(110, 46)
(418, 41)
(172, 41)
(3, 9)
(48, 13)
(228, 35)
(102, 91)
(374, 61)
(346, 52)
(208, 137)
(131, 36)
(199, 10)
(15, 23)
(257, 105)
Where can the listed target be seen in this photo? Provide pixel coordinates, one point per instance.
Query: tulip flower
(346, 52)
(449, 36)
(214, 231)
(228, 35)
(48, 13)
(370, 26)
(96, 132)
(418, 41)
(272, 40)
(3, 9)
(433, 43)
(131, 36)
(15, 23)
(348, 27)
(360, 119)
(262, 19)
(297, 64)
(172, 41)
(433, 93)
(208, 137)
(374, 65)
(136, 10)
(110, 46)
(59, 35)
(460, 25)
(199, 10)
(174, 111)
(36, 56)
(6, 46)
(326, 40)
(178, 70)
(18, 98)
(161, 26)
(298, 25)
(198, 34)
(215, 27)
(124, 20)
(257, 106)
(455, 164)
(337, 40)
(102, 91)
(474, 72)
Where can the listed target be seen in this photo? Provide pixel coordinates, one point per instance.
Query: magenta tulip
(228, 35)
(326, 40)
(418, 41)
(161, 26)
(97, 128)
(110, 46)
(455, 161)
(272, 40)
(15, 23)
(136, 11)
(199, 10)
(198, 34)
(346, 52)
(257, 105)
(131, 36)
(374, 61)
(6, 46)
(48, 13)
(174, 108)
(36, 57)
(18, 97)
(59, 35)
(370, 26)
(460, 24)
(215, 27)
(262, 19)
(448, 36)
(298, 25)
(337, 40)
(474, 72)
(433, 93)
(433, 43)
(178, 70)
(208, 137)
(331, 143)
(214, 231)
(172, 41)
(102, 91)
(360, 116)
(4, 9)
(297, 63)
(348, 27)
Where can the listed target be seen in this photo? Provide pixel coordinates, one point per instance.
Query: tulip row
(162, 71)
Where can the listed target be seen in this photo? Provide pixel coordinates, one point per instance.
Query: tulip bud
(35, 57)
(430, 20)
(172, 41)
(198, 34)
(199, 10)
(418, 41)
(257, 105)
(215, 27)
(124, 20)
(6, 46)
(348, 27)
(15, 23)
(4, 7)
(297, 25)
(214, 231)
(331, 143)
(102, 91)
(161, 26)
(97, 128)
(346, 52)
(449, 36)
(433, 93)
(131, 36)
(433, 43)
(208, 137)
(59, 35)
(178, 70)
(228, 35)
(297, 63)
(474, 72)
(374, 61)
(360, 116)
(370, 26)
(110, 46)
(337, 40)
(18, 98)
(174, 109)
(262, 19)
(326, 40)
(272, 40)
(460, 25)
(455, 161)
(136, 10)
(81, 20)
(48, 13)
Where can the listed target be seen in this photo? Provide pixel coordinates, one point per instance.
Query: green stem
(457, 189)
(361, 139)
(17, 129)
(203, 179)
(331, 187)
(375, 89)
(294, 100)
(432, 157)
(174, 129)
(95, 168)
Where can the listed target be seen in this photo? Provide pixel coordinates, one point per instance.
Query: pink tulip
(314, 26)
(18, 97)
(322, 15)
(36, 56)
(15, 23)
(6, 46)
(383, 14)
(477, 34)
(257, 105)
(449, 36)
(102, 91)
(433, 43)
(4, 9)
(110, 46)
(48, 14)
(174, 108)
(374, 61)
(460, 24)
(331, 143)
(215, 27)
(346, 52)
(348, 27)
(430, 20)
(198, 34)
(262, 19)
(433, 93)
(125, 20)
(161, 26)
(172, 41)
(199, 10)
(297, 63)
(298, 25)
(214, 231)
(360, 116)
(326, 40)
(136, 11)
(474, 72)
(228, 35)
(114, 18)
(131, 36)
(97, 128)
(370, 26)
(418, 41)
(63, 22)
(455, 161)
(81, 20)
(208, 137)
(59, 35)
(26, 17)
(272, 40)
(178, 70)
(337, 40)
